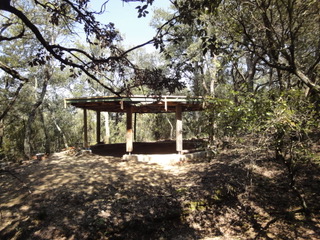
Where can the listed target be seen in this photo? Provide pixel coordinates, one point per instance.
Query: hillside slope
(239, 194)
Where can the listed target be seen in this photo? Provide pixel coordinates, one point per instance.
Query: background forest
(256, 63)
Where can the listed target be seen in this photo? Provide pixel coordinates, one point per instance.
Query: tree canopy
(216, 48)
(67, 14)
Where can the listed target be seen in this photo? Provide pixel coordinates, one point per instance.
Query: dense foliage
(259, 68)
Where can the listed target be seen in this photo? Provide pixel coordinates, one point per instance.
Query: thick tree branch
(313, 66)
(3, 38)
(15, 75)
(13, 100)
(80, 59)
(306, 80)
(13, 72)
(53, 50)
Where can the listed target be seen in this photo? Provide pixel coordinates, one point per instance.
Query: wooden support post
(135, 127)
(98, 127)
(179, 139)
(165, 104)
(85, 129)
(129, 137)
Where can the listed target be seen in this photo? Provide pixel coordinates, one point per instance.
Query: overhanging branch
(52, 49)
(13, 72)
(15, 75)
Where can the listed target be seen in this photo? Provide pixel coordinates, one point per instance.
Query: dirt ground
(239, 194)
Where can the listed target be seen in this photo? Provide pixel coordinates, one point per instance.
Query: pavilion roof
(139, 104)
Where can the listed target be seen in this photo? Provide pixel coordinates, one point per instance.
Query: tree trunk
(32, 115)
(12, 101)
(212, 93)
(65, 142)
(251, 62)
(171, 127)
(1, 135)
(45, 130)
(306, 80)
(106, 137)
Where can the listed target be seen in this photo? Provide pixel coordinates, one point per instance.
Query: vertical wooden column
(135, 127)
(98, 127)
(179, 139)
(129, 136)
(85, 129)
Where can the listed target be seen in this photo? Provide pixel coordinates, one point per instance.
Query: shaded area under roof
(160, 147)
(139, 104)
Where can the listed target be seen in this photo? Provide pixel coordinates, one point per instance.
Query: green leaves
(142, 11)
(243, 114)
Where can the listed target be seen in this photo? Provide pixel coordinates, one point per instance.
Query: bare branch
(51, 49)
(13, 72)
(15, 75)
(3, 38)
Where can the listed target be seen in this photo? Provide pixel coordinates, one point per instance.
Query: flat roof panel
(139, 103)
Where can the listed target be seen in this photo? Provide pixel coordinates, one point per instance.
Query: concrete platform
(171, 159)
(161, 152)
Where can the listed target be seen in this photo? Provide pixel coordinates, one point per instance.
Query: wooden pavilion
(136, 104)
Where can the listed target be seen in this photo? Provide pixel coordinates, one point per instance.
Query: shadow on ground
(89, 197)
(98, 197)
(159, 147)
